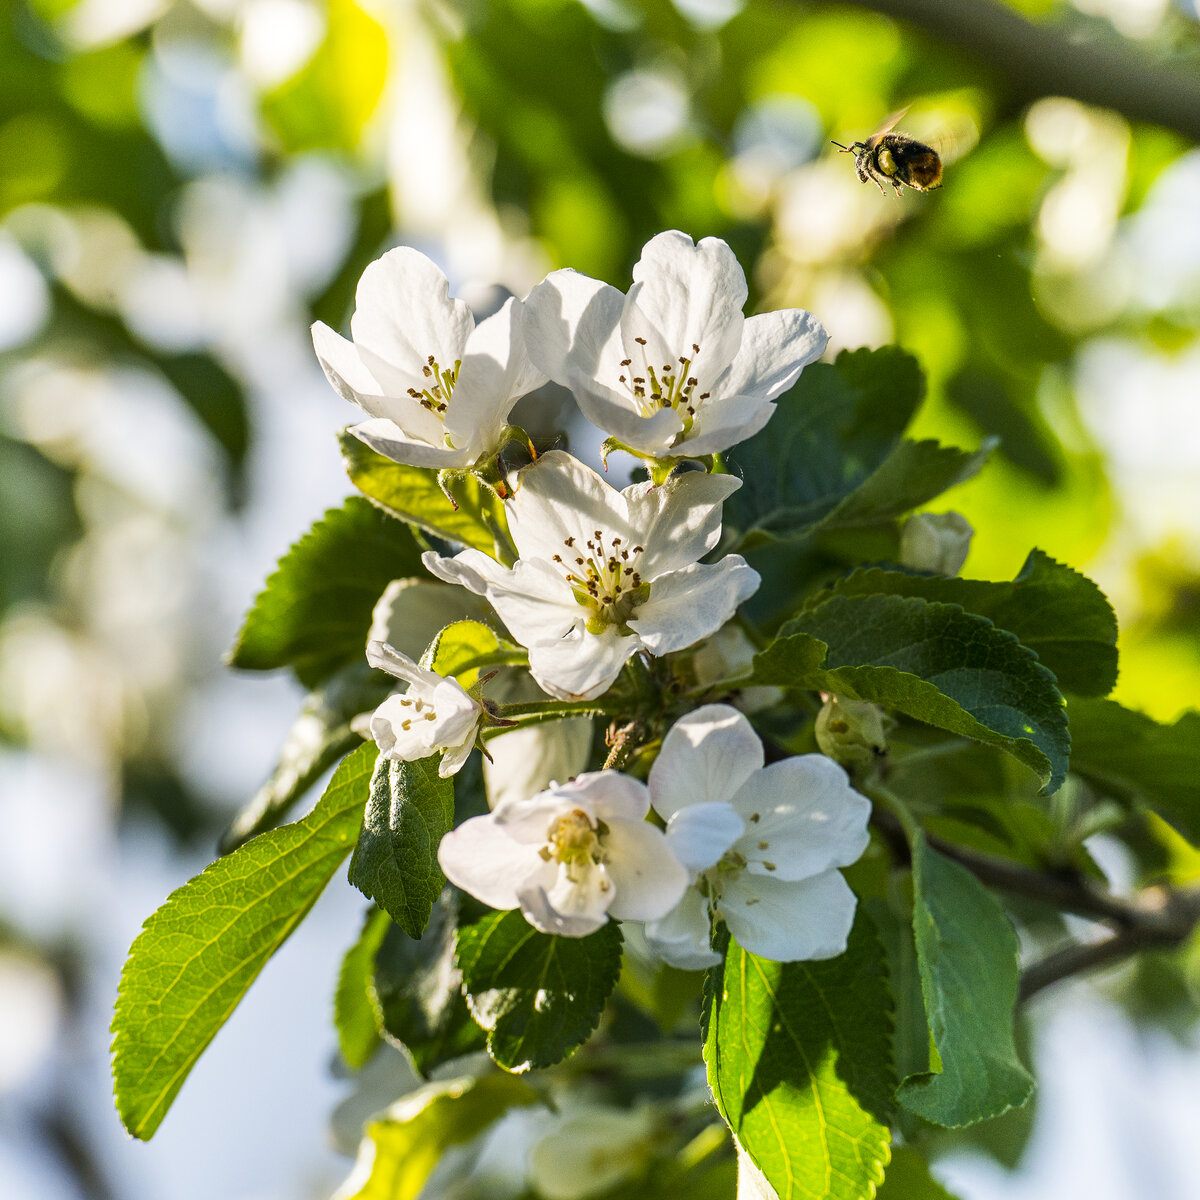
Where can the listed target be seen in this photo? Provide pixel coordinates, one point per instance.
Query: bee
(895, 158)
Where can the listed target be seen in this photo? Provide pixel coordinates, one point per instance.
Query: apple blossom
(437, 388)
(673, 368)
(763, 843)
(936, 542)
(602, 574)
(570, 857)
(434, 715)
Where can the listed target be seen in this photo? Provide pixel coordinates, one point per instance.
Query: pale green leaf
(404, 1143)
(799, 1060)
(413, 495)
(908, 1178)
(353, 1012)
(967, 957)
(196, 956)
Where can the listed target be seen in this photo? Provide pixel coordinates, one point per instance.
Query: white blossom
(763, 843)
(603, 574)
(437, 388)
(936, 542)
(435, 715)
(570, 857)
(672, 368)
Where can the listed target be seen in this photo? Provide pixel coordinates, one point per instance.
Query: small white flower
(936, 542)
(438, 388)
(603, 574)
(673, 368)
(433, 716)
(569, 857)
(763, 843)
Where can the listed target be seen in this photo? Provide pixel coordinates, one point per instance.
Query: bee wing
(888, 125)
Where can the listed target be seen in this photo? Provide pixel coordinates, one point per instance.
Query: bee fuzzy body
(896, 159)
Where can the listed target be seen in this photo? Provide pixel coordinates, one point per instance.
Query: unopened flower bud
(936, 542)
(850, 731)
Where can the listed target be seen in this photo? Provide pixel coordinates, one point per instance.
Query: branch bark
(1031, 61)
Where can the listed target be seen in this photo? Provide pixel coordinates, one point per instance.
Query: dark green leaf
(196, 956)
(320, 736)
(967, 956)
(353, 1012)
(404, 1143)
(413, 495)
(315, 611)
(410, 810)
(908, 1178)
(538, 995)
(416, 991)
(800, 1063)
(1128, 755)
(1054, 610)
(931, 661)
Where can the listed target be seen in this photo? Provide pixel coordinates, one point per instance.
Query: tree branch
(1046, 60)
(1154, 917)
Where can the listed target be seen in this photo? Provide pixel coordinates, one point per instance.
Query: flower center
(574, 841)
(435, 396)
(669, 386)
(422, 710)
(603, 575)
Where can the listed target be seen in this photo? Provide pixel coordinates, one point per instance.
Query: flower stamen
(436, 398)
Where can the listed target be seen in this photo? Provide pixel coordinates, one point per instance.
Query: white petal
(572, 333)
(789, 920)
(455, 759)
(471, 569)
(700, 833)
(721, 423)
(389, 439)
(404, 313)
(683, 937)
(387, 658)
(649, 879)
(570, 907)
(345, 369)
(688, 295)
(457, 713)
(809, 818)
(776, 347)
(559, 498)
(534, 602)
(581, 665)
(706, 757)
(495, 372)
(393, 739)
(679, 521)
(687, 605)
(609, 795)
(482, 859)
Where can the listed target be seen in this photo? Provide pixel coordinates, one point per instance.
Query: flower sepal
(659, 468)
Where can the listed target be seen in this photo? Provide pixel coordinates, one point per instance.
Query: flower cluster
(671, 371)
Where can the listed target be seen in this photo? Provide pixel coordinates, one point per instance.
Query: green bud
(851, 731)
(935, 542)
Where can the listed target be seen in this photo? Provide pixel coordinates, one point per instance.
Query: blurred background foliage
(185, 186)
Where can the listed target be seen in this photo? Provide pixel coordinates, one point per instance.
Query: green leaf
(197, 955)
(831, 453)
(1128, 755)
(538, 995)
(315, 611)
(410, 810)
(413, 495)
(320, 736)
(908, 1178)
(416, 991)
(967, 956)
(931, 661)
(800, 1064)
(464, 648)
(1054, 610)
(353, 1011)
(404, 1143)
